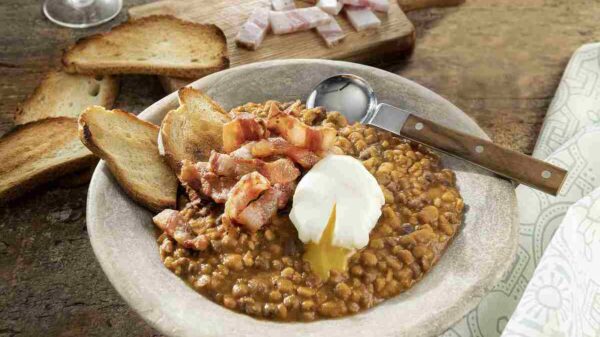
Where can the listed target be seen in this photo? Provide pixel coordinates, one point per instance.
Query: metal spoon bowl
(348, 94)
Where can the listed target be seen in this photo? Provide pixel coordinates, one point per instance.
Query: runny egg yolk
(324, 256)
(336, 205)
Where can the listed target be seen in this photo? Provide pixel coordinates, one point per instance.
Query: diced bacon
(278, 146)
(286, 192)
(332, 7)
(332, 33)
(191, 175)
(282, 5)
(200, 242)
(380, 5)
(361, 18)
(316, 139)
(216, 178)
(247, 189)
(245, 127)
(244, 152)
(279, 171)
(163, 219)
(171, 222)
(199, 178)
(230, 166)
(295, 20)
(377, 5)
(356, 3)
(294, 109)
(217, 187)
(259, 212)
(254, 29)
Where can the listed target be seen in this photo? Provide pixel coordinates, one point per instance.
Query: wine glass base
(81, 14)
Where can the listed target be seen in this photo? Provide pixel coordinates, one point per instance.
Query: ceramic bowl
(123, 236)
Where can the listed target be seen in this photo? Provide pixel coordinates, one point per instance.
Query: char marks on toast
(193, 130)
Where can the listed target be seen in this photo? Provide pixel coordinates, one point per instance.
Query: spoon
(354, 98)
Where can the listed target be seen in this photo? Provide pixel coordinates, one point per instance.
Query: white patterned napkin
(576, 103)
(563, 297)
(566, 140)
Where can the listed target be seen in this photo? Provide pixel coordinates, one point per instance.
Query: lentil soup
(262, 274)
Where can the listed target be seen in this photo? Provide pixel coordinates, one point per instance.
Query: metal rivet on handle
(479, 149)
(546, 174)
(419, 126)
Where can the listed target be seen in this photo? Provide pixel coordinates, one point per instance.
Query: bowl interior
(123, 240)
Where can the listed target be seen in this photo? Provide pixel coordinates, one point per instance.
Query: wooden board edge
(412, 5)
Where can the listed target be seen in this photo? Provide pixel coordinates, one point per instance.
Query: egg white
(342, 181)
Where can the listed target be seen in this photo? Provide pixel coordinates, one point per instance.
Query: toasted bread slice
(193, 130)
(128, 145)
(156, 45)
(185, 136)
(62, 94)
(38, 152)
(199, 103)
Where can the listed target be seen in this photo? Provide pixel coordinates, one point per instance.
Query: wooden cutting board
(394, 38)
(411, 5)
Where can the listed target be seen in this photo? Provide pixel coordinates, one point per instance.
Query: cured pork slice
(283, 5)
(247, 189)
(199, 178)
(260, 211)
(294, 109)
(295, 20)
(281, 170)
(316, 139)
(377, 5)
(244, 127)
(217, 187)
(254, 29)
(332, 33)
(172, 223)
(332, 7)
(277, 146)
(380, 5)
(356, 3)
(361, 18)
(229, 166)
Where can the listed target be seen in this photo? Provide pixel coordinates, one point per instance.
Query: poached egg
(335, 206)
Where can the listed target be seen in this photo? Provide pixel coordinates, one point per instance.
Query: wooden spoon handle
(511, 164)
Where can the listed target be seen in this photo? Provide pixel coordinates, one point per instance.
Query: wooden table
(498, 60)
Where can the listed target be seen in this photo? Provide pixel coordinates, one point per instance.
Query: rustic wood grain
(394, 38)
(498, 60)
(50, 282)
